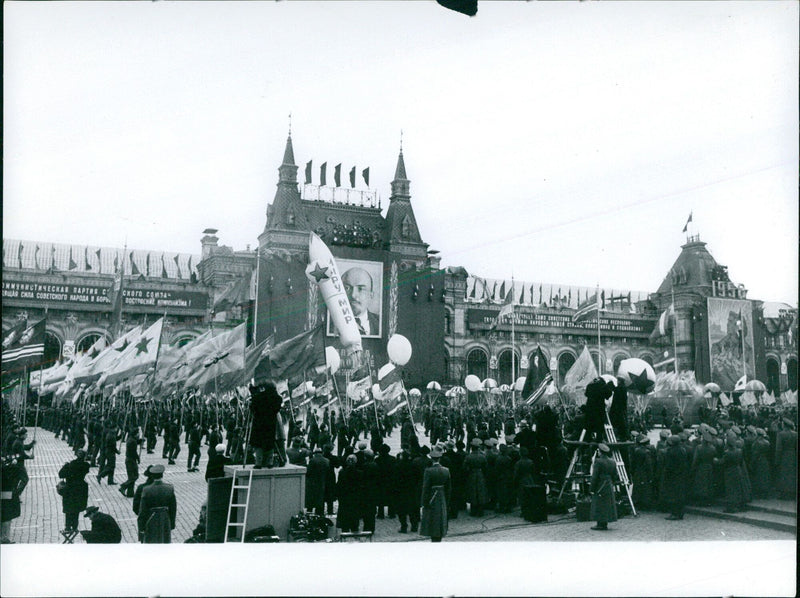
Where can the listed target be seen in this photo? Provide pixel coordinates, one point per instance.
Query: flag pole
(675, 331)
(599, 350)
(513, 347)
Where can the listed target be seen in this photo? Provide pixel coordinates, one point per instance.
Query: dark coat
(349, 489)
(436, 487)
(216, 465)
(642, 477)
(105, 530)
(504, 468)
(736, 490)
(386, 465)
(316, 481)
(14, 478)
(264, 407)
(604, 476)
(404, 486)
(702, 472)
(786, 462)
(155, 497)
(759, 467)
(674, 486)
(76, 492)
(372, 485)
(475, 470)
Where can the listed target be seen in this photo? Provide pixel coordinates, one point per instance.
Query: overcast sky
(556, 142)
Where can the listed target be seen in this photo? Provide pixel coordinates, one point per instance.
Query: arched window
(791, 373)
(617, 360)
(182, 340)
(447, 323)
(648, 358)
(773, 376)
(504, 365)
(478, 363)
(85, 343)
(601, 365)
(565, 361)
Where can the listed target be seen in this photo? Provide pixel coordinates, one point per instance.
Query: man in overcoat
(604, 476)
(436, 487)
(158, 509)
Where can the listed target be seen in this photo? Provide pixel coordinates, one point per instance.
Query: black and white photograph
(351, 279)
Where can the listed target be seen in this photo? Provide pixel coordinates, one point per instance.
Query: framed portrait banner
(730, 341)
(363, 283)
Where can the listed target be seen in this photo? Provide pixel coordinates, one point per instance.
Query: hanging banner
(730, 341)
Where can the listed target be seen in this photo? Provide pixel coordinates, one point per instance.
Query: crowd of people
(472, 459)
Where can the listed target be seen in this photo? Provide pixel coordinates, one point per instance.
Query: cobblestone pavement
(41, 519)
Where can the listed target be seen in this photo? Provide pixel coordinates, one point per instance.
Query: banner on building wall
(730, 341)
(363, 282)
(53, 294)
(530, 321)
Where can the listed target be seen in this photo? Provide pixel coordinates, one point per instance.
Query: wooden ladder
(237, 490)
(575, 456)
(621, 471)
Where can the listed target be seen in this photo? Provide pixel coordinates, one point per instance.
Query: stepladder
(236, 523)
(580, 465)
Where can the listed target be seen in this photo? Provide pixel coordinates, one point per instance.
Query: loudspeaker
(534, 503)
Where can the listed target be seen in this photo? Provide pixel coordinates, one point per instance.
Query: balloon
(323, 271)
(433, 385)
(414, 392)
(399, 349)
(489, 383)
(712, 387)
(755, 386)
(637, 374)
(332, 359)
(376, 391)
(473, 383)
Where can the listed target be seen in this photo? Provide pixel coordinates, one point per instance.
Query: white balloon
(322, 269)
(332, 359)
(609, 378)
(489, 383)
(376, 391)
(399, 349)
(414, 392)
(473, 383)
(434, 385)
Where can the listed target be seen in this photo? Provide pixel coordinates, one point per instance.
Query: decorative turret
(286, 211)
(401, 225)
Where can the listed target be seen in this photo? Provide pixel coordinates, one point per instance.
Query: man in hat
(604, 476)
(137, 495)
(105, 530)
(436, 488)
(525, 437)
(316, 481)
(642, 473)
(216, 462)
(405, 500)
(296, 454)
(597, 391)
(477, 495)
(386, 464)
(19, 446)
(193, 441)
(158, 509)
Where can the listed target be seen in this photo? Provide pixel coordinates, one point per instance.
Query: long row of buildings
(448, 314)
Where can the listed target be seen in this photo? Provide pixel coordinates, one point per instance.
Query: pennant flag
(148, 264)
(139, 356)
(508, 305)
(522, 296)
(299, 390)
(494, 290)
(72, 264)
(740, 384)
(176, 259)
(163, 268)
(503, 289)
(36, 258)
(588, 309)
(223, 356)
(665, 323)
(26, 349)
(582, 371)
(52, 257)
(324, 389)
(322, 171)
(116, 295)
(293, 356)
(688, 220)
(134, 268)
(365, 174)
(353, 177)
(538, 374)
(474, 286)
(337, 175)
(540, 391)
(308, 172)
(86, 265)
(391, 387)
(19, 255)
(358, 390)
(99, 262)
(540, 292)
(108, 356)
(84, 363)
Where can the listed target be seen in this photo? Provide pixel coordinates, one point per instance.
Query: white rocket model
(322, 270)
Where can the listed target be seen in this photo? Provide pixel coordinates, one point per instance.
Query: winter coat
(316, 480)
(475, 471)
(786, 462)
(642, 477)
(504, 468)
(76, 492)
(404, 486)
(604, 476)
(702, 472)
(736, 489)
(349, 489)
(435, 497)
(674, 485)
(264, 407)
(759, 467)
